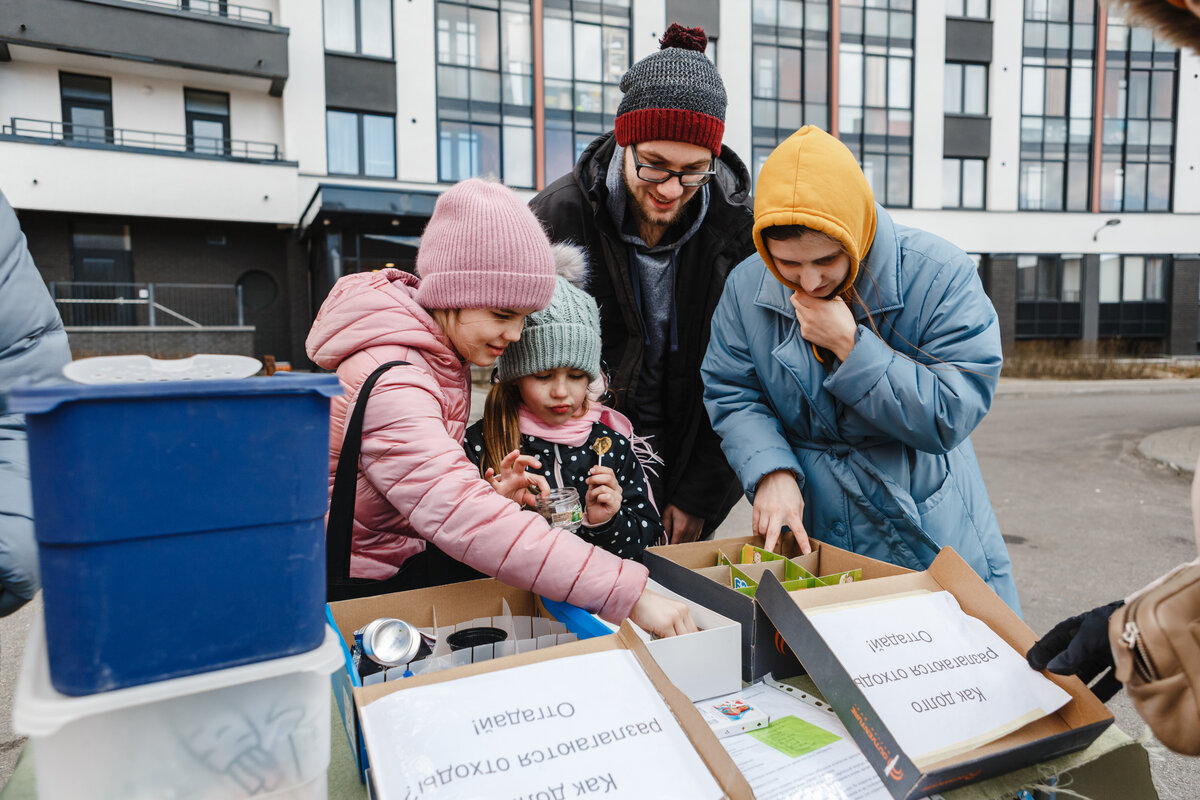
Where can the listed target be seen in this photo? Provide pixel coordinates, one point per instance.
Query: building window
(1049, 289)
(972, 9)
(363, 27)
(361, 144)
(485, 90)
(875, 110)
(207, 120)
(1138, 140)
(86, 107)
(587, 46)
(966, 89)
(1133, 296)
(1056, 105)
(1050, 278)
(790, 71)
(963, 182)
(1132, 279)
(218, 8)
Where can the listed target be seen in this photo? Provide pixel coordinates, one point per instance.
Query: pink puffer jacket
(414, 479)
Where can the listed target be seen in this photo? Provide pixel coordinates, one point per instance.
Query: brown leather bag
(1155, 640)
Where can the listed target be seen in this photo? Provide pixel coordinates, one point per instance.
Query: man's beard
(639, 212)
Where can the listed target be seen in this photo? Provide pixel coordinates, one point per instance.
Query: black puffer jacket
(697, 478)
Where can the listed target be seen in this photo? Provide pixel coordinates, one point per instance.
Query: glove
(1079, 646)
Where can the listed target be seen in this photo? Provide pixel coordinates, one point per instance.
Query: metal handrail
(117, 295)
(150, 140)
(212, 8)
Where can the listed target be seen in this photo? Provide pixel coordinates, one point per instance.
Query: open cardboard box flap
(1073, 727)
(691, 570)
(723, 770)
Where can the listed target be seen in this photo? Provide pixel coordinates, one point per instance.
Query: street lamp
(1108, 223)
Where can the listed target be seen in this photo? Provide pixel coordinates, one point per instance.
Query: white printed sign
(569, 727)
(942, 681)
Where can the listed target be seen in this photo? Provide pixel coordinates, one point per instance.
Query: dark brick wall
(1185, 306)
(1000, 282)
(160, 342)
(49, 239)
(187, 251)
(180, 251)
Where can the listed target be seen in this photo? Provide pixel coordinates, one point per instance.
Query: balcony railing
(234, 149)
(189, 305)
(212, 8)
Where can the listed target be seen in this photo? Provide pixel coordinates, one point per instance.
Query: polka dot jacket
(632, 529)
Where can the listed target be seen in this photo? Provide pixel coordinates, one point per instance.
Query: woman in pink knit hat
(422, 511)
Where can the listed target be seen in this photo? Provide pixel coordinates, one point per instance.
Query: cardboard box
(454, 603)
(719, 764)
(704, 664)
(1071, 728)
(691, 570)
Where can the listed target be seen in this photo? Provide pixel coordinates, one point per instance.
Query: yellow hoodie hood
(812, 179)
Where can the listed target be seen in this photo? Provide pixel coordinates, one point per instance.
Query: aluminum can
(391, 642)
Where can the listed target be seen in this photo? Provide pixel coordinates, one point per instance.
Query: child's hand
(603, 499)
(514, 482)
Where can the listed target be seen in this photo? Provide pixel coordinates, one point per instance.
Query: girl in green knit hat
(545, 405)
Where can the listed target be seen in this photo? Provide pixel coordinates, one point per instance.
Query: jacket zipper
(1131, 637)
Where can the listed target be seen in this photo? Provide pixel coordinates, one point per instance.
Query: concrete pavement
(1176, 448)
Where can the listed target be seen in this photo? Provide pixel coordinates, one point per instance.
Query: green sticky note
(793, 736)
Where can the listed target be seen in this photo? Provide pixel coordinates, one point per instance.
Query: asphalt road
(1087, 518)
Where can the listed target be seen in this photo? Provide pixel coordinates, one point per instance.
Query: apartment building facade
(195, 174)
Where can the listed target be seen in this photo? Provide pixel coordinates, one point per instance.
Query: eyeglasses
(661, 174)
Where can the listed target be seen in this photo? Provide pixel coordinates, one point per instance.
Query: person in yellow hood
(850, 359)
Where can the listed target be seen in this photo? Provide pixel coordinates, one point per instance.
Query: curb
(1175, 448)
(1031, 387)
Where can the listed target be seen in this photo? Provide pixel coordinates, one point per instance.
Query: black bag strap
(340, 527)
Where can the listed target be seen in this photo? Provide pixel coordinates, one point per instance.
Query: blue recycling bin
(180, 525)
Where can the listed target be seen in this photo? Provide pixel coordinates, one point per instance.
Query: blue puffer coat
(880, 444)
(33, 345)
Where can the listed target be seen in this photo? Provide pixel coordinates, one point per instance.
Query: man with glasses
(664, 212)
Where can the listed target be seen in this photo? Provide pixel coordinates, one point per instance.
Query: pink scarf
(575, 431)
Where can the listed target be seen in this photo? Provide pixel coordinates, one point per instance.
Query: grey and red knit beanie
(484, 248)
(674, 94)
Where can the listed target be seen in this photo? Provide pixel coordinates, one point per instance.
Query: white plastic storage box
(260, 730)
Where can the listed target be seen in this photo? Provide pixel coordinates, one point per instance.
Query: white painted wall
(1004, 105)
(735, 62)
(1036, 232)
(416, 92)
(268, 5)
(29, 90)
(1187, 143)
(304, 94)
(649, 24)
(88, 181)
(255, 117)
(929, 75)
(148, 104)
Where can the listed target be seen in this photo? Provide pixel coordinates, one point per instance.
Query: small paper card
(732, 714)
(794, 737)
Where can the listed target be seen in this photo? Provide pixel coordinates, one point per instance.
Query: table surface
(1122, 758)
